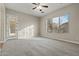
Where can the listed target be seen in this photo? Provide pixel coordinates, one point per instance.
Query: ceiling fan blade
(42, 12)
(45, 6)
(35, 3)
(34, 8)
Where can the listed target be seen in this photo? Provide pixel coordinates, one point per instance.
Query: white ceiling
(27, 8)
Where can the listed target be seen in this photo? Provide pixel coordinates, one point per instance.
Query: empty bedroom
(39, 29)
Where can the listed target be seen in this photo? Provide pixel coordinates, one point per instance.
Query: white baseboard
(75, 42)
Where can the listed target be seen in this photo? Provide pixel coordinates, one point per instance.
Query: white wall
(73, 35)
(2, 22)
(24, 21)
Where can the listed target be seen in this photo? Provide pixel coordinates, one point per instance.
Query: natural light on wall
(26, 33)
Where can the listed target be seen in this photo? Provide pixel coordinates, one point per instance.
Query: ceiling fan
(39, 6)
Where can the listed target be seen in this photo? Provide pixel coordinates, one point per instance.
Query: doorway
(11, 27)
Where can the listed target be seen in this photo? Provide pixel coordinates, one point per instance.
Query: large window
(58, 24)
(64, 22)
(55, 24)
